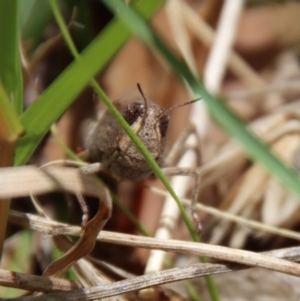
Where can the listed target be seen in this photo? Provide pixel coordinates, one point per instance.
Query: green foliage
(10, 63)
(50, 105)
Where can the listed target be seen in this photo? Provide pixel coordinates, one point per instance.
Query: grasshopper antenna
(183, 104)
(145, 101)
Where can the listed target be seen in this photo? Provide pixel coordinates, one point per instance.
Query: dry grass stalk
(284, 88)
(36, 283)
(199, 249)
(32, 180)
(170, 213)
(140, 282)
(236, 64)
(251, 224)
(224, 39)
(256, 192)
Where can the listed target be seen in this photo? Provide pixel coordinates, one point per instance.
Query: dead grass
(243, 211)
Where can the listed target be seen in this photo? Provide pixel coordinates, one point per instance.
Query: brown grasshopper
(112, 151)
(107, 143)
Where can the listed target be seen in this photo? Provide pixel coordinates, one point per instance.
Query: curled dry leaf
(82, 247)
(16, 182)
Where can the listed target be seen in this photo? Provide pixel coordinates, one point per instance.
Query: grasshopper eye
(133, 112)
(163, 123)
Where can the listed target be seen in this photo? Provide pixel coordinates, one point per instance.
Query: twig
(36, 283)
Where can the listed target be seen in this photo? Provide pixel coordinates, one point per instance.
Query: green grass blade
(152, 163)
(10, 126)
(141, 147)
(255, 148)
(11, 94)
(209, 280)
(63, 29)
(10, 64)
(38, 118)
(35, 15)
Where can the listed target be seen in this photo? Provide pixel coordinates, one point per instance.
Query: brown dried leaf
(82, 247)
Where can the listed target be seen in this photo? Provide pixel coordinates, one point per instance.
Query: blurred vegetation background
(260, 88)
